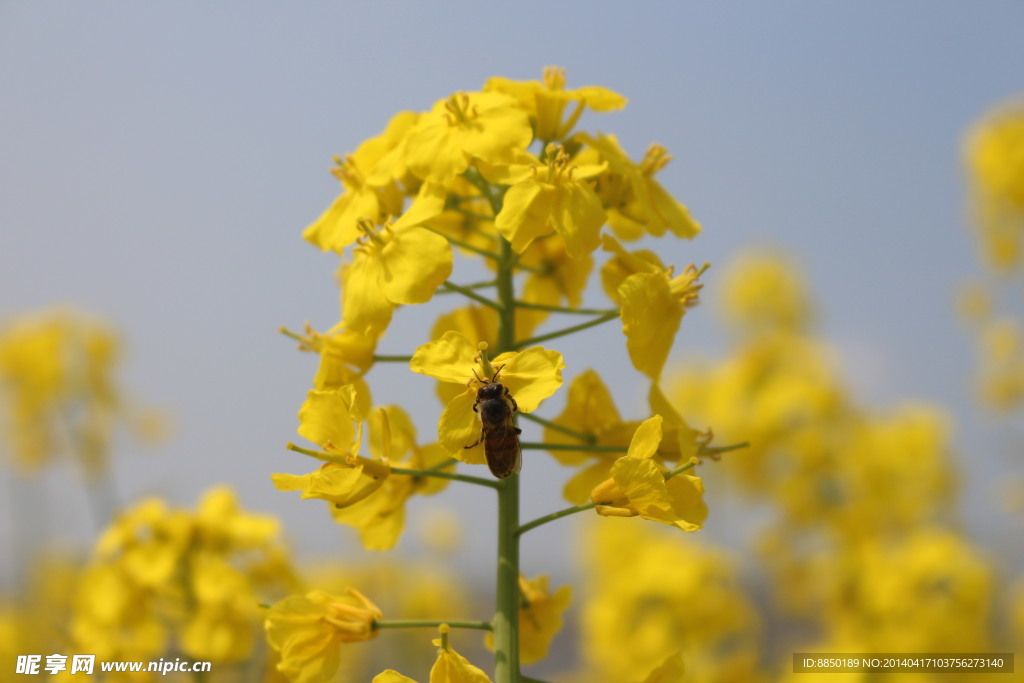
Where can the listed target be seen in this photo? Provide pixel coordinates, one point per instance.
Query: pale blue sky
(158, 162)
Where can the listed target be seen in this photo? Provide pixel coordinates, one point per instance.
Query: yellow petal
(337, 228)
(364, 307)
(578, 219)
(451, 667)
(459, 427)
(531, 375)
(525, 213)
(431, 151)
(325, 417)
(392, 676)
(413, 265)
(429, 203)
(646, 439)
(650, 319)
(449, 359)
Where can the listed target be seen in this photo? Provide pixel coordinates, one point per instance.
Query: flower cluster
(59, 391)
(502, 176)
(162, 575)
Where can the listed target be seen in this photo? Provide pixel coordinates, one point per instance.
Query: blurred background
(158, 164)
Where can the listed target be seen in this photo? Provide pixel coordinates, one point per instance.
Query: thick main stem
(506, 619)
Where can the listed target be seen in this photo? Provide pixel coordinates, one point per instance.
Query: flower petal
(414, 263)
(646, 439)
(449, 359)
(650, 319)
(325, 417)
(459, 427)
(531, 375)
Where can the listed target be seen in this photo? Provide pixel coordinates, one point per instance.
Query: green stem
(454, 476)
(718, 450)
(408, 471)
(469, 293)
(465, 245)
(392, 359)
(590, 448)
(506, 618)
(564, 309)
(586, 438)
(431, 623)
(555, 515)
(679, 470)
(569, 330)
(476, 285)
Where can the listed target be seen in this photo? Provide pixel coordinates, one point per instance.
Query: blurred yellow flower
(994, 152)
(762, 291)
(58, 390)
(649, 594)
(540, 617)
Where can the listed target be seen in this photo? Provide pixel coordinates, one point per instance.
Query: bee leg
(477, 441)
(474, 408)
(518, 430)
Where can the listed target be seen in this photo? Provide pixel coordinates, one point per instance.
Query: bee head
(491, 390)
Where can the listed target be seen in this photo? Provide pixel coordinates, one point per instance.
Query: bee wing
(501, 446)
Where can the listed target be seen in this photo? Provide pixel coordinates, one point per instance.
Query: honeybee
(500, 436)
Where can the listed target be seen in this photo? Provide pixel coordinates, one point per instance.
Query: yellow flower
(391, 676)
(401, 263)
(995, 154)
(669, 671)
(307, 629)
(762, 291)
(540, 617)
(546, 101)
(380, 518)
(361, 199)
(114, 617)
(345, 356)
(590, 411)
(451, 667)
(57, 381)
(995, 162)
(638, 486)
(464, 127)
(551, 196)
(339, 484)
(531, 376)
(148, 540)
(555, 279)
(634, 199)
(219, 522)
(330, 418)
(220, 629)
(652, 304)
(650, 594)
